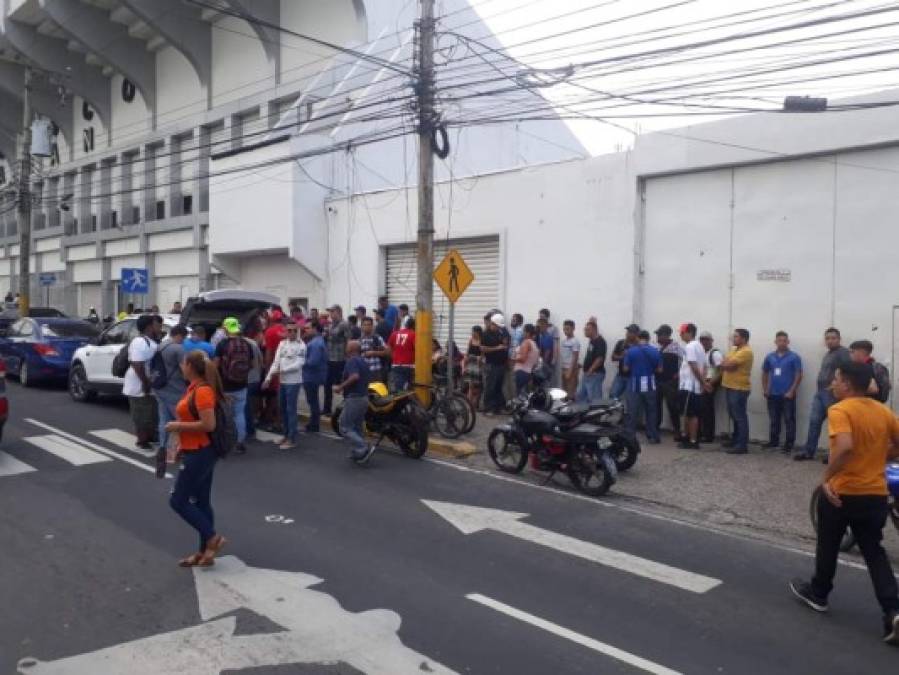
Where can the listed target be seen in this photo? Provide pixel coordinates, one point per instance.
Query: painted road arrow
(316, 630)
(471, 519)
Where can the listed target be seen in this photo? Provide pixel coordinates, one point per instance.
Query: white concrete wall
(239, 65)
(281, 276)
(130, 121)
(334, 21)
(180, 96)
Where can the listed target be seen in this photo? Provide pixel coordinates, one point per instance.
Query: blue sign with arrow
(135, 280)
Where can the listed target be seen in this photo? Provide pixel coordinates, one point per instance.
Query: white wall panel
(87, 270)
(281, 276)
(180, 95)
(177, 263)
(89, 295)
(130, 121)
(334, 21)
(49, 244)
(239, 65)
(85, 252)
(50, 262)
(118, 247)
(165, 241)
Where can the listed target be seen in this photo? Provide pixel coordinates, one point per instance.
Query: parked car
(91, 371)
(10, 315)
(4, 403)
(41, 349)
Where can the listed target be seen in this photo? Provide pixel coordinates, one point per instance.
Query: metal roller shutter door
(481, 255)
(89, 295)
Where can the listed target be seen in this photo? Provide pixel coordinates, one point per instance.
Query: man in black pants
(864, 435)
(495, 346)
(666, 381)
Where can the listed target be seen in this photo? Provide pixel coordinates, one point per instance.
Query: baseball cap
(706, 335)
(357, 308)
(632, 328)
(498, 319)
(664, 329)
(231, 325)
(333, 307)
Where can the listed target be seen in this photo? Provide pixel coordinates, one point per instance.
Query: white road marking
(314, 629)
(66, 449)
(94, 446)
(123, 440)
(578, 638)
(471, 519)
(10, 466)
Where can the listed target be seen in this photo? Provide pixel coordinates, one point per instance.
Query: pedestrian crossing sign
(453, 276)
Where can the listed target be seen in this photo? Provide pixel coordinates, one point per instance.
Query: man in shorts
(691, 382)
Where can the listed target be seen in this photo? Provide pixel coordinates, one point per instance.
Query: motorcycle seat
(571, 411)
(381, 401)
(584, 433)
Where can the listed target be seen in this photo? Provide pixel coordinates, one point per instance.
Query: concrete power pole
(424, 298)
(23, 204)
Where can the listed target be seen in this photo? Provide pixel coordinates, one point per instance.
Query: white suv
(91, 371)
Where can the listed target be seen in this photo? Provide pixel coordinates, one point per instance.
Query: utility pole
(23, 204)
(424, 297)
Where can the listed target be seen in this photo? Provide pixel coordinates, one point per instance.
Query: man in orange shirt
(864, 435)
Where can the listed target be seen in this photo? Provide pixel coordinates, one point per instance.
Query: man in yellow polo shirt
(737, 368)
(864, 435)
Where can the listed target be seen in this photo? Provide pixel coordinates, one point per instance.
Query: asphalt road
(89, 585)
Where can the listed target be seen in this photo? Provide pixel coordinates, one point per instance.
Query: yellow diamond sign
(453, 275)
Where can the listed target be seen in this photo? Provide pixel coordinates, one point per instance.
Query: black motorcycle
(399, 417)
(581, 451)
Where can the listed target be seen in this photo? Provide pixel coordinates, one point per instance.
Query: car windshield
(39, 312)
(69, 330)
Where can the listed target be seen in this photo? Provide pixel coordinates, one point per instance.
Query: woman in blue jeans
(288, 366)
(195, 419)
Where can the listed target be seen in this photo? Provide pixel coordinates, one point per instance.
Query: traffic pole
(424, 297)
(23, 203)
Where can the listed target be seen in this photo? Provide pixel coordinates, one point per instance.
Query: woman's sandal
(191, 561)
(213, 546)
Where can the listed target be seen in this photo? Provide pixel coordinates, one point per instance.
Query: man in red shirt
(401, 349)
(272, 337)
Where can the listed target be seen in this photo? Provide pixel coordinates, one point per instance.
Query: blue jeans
(192, 497)
(166, 415)
(590, 388)
(619, 387)
(253, 389)
(287, 399)
(400, 379)
(522, 377)
(352, 421)
(782, 407)
(315, 410)
(239, 406)
(822, 401)
(736, 408)
(648, 402)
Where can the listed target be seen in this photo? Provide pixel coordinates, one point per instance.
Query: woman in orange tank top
(195, 419)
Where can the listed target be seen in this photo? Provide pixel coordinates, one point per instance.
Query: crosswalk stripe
(66, 449)
(122, 439)
(10, 466)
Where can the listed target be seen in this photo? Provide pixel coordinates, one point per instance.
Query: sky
(643, 92)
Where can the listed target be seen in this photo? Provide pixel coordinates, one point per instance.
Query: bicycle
(449, 413)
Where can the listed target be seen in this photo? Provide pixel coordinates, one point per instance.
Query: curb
(437, 445)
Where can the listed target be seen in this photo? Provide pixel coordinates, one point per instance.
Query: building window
(160, 210)
(135, 215)
(93, 222)
(187, 205)
(114, 219)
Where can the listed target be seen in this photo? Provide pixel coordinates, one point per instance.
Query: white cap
(499, 320)
(705, 335)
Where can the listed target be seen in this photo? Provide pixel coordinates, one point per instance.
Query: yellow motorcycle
(398, 417)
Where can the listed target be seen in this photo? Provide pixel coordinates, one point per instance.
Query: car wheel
(24, 377)
(78, 388)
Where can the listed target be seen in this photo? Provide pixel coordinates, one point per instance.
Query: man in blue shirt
(781, 375)
(315, 372)
(391, 313)
(197, 340)
(641, 362)
(354, 387)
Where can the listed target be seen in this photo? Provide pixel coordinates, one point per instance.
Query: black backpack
(224, 437)
(120, 363)
(159, 377)
(882, 378)
(237, 359)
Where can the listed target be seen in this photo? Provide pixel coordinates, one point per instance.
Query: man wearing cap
(495, 347)
(666, 380)
(631, 338)
(234, 360)
(691, 382)
(707, 429)
(339, 334)
(197, 340)
(737, 368)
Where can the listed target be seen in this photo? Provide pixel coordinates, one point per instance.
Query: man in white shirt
(691, 384)
(137, 386)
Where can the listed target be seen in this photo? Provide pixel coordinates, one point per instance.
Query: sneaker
(688, 445)
(287, 445)
(803, 591)
(240, 449)
(365, 456)
(891, 629)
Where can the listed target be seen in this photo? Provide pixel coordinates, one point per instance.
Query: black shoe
(802, 457)
(365, 456)
(891, 629)
(787, 449)
(160, 463)
(803, 591)
(727, 444)
(771, 445)
(240, 449)
(736, 451)
(707, 439)
(688, 445)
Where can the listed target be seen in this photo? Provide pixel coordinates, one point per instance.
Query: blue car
(40, 349)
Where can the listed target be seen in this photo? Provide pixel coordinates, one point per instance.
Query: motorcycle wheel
(413, 440)
(588, 474)
(625, 452)
(506, 452)
(335, 420)
(848, 540)
(472, 413)
(451, 417)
